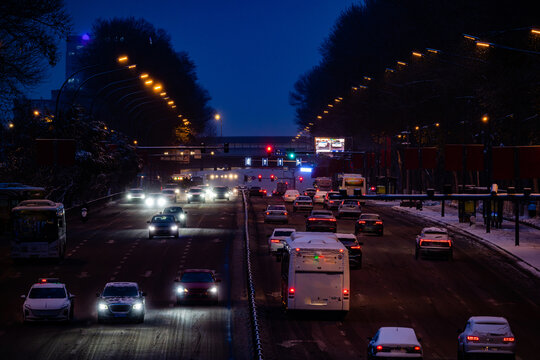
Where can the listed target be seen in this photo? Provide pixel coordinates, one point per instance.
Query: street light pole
(218, 118)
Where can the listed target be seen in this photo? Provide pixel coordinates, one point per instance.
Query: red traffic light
(272, 177)
(260, 177)
(269, 149)
(301, 178)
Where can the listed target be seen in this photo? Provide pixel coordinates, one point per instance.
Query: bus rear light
(291, 292)
(509, 339)
(473, 338)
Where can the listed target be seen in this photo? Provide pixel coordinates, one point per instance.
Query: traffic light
(226, 147)
(272, 177)
(269, 149)
(291, 155)
(300, 178)
(260, 177)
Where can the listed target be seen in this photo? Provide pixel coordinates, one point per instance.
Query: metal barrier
(251, 288)
(96, 202)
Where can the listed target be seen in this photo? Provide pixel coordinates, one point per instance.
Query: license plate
(401, 351)
(120, 315)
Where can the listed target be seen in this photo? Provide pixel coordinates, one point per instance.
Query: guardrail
(94, 203)
(251, 288)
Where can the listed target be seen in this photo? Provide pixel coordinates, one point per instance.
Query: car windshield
(193, 191)
(175, 209)
(282, 233)
(255, 188)
(319, 213)
(120, 291)
(276, 207)
(436, 235)
(190, 277)
(370, 217)
(162, 219)
(47, 293)
(334, 196)
(136, 191)
(168, 191)
(492, 327)
(303, 198)
(221, 188)
(350, 202)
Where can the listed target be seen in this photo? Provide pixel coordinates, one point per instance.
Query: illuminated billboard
(323, 145)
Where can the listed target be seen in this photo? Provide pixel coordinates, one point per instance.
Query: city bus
(352, 182)
(39, 230)
(11, 194)
(315, 273)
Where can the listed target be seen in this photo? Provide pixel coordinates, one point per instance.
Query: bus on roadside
(11, 194)
(315, 273)
(39, 230)
(352, 183)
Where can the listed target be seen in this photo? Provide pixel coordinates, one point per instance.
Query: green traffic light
(292, 155)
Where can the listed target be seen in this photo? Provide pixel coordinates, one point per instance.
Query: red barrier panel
(410, 158)
(370, 163)
(529, 162)
(502, 163)
(429, 157)
(358, 161)
(475, 157)
(453, 157)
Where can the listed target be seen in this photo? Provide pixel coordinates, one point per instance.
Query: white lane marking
(124, 258)
(115, 273)
(69, 254)
(119, 267)
(51, 273)
(110, 242)
(290, 343)
(18, 274)
(83, 274)
(147, 274)
(347, 342)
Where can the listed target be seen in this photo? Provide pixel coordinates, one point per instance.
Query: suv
(332, 200)
(302, 203)
(197, 284)
(488, 335)
(321, 220)
(196, 194)
(121, 300)
(221, 193)
(349, 207)
(290, 195)
(256, 191)
(433, 240)
(48, 299)
(394, 343)
(276, 240)
(163, 225)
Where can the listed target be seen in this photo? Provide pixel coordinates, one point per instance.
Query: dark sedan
(197, 285)
(221, 193)
(321, 220)
(256, 191)
(179, 214)
(354, 247)
(163, 225)
(369, 223)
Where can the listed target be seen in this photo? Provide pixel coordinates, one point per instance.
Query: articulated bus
(11, 194)
(315, 273)
(39, 230)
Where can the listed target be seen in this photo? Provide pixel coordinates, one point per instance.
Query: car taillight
(268, 213)
(361, 222)
(356, 247)
(284, 213)
(509, 339)
(379, 348)
(274, 240)
(334, 220)
(291, 292)
(473, 338)
(378, 222)
(417, 348)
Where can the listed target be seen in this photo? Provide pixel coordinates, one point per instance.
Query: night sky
(248, 53)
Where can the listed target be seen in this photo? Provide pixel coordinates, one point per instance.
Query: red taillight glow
(43, 280)
(417, 348)
(509, 339)
(274, 241)
(340, 250)
(284, 213)
(345, 292)
(379, 347)
(268, 213)
(291, 290)
(356, 247)
(361, 222)
(473, 338)
(297, 249)
(378, 222)
(422, 241)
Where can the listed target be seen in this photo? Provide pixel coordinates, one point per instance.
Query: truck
(323, 183)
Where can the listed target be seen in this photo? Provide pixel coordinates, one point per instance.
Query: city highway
(433, 296)
(114, 246)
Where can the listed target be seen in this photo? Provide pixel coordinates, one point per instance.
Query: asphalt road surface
(114, 246)
(433, 296)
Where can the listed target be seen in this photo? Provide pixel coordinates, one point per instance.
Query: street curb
(486, 242)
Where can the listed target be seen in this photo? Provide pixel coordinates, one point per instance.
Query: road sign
(298, 161)
(248, 161)
(280, 162)
(264, 161)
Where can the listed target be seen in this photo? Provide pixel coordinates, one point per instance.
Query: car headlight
(151, 228)
(137, 306)
(181, 290)
(143, 196)
(129, 196)
(102, 306)
(65, 305)
(149, 202)
(189, 195)
(161, 201)
(176, 191)
(213, 290)
(212, 194)
(174, 228)
(182, 216)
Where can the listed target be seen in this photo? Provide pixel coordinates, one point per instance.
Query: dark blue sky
(248, 53)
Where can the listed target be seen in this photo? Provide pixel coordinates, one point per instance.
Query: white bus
(315, 273)
(39, 230)
(351, 182)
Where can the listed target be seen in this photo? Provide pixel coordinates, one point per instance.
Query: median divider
(251, 288)
(92, 204)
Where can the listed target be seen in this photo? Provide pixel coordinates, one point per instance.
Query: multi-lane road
(435, 297)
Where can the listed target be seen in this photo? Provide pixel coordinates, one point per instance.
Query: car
(332, 200)
(321, 220)
(349, 207)
(337, 144)
(136, 194)
(291, 195)
(394, 343)
(163, 225)
(197, 285)
(281, 188)
(310, 192)
(220, 193)
(354, 246)
(487, 336)
(369, 223)
(322, 144)
(276, 240)
(153, 200)
(169, 194)
(256, 191)
(303, 203)
(179, 214)
(434, 241)
(276, 213)
(196, 194)
(319, 197)
(48, 299)
(121, 301)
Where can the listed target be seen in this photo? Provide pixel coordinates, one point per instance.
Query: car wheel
(99, 320)
(150, 236)
(381, 233)
(177, 235)
(189, 202)
(140, 320)
(416, 253)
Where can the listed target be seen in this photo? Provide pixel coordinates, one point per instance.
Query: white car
(434, 241)
(303, 203)
(290, 195)
(394, 343)
(349, 207)
(276, 213)
(48, 299)
(276, 241)
(155, 200)
(136, 194)
(319, 197)
(485, 336)
(169, 194)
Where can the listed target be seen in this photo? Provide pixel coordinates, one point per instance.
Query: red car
(197, 285)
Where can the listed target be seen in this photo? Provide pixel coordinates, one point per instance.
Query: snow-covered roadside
(527, 254)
